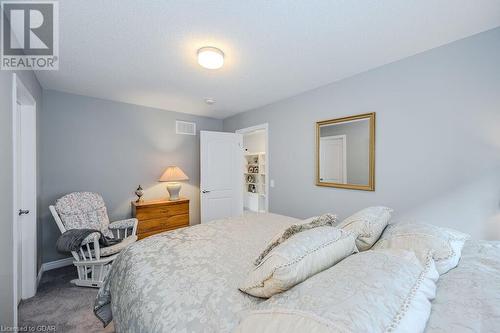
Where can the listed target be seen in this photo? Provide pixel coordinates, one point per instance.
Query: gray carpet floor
(61, 304)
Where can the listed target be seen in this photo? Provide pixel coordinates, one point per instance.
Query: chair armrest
(96, 251)
(93, 237)
(123, 224)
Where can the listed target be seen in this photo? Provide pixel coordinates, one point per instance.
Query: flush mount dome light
(210, 57)
(210, 101)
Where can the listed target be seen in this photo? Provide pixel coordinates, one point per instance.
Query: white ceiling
(144, 52)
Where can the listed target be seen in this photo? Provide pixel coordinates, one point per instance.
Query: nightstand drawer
(151, 233)
(176, 221)
(161, 211)
(150, 225)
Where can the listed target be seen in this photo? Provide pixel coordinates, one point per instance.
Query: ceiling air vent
(185, 127)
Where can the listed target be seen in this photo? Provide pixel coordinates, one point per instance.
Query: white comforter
(187, 280)
(468, 297)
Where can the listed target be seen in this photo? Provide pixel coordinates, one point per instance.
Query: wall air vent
(185, 127)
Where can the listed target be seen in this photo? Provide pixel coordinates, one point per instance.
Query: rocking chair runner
(87, 210)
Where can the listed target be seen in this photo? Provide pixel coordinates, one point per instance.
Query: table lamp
(172, 175)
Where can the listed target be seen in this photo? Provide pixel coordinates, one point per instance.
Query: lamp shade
(173, 174)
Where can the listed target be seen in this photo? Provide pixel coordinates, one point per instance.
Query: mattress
(187, 280)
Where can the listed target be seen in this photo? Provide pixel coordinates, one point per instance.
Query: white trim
(344, 152)
(21, 95)
(39, 276)
(264, 127)
(47, 266)
(14, 196)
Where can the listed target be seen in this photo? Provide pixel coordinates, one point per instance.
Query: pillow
(367, 225)
(445, 244)
(373, 291)
(300, 257)
(310, 223)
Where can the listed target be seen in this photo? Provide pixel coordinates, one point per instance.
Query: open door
(221, 175)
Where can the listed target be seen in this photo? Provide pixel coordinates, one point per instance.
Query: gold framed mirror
(345, 152)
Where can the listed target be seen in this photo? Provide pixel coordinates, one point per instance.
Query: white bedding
(393, 295)
(468, 296)
(187, 280)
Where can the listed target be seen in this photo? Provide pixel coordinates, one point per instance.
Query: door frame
(344, 153)
(21, 95)
(265, 127)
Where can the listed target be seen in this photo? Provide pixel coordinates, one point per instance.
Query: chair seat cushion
(107, 251)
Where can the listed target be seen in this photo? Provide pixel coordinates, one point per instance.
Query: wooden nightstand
(156, 216)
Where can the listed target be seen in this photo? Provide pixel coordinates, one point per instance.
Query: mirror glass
(345, 152)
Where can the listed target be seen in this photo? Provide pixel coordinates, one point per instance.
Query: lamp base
(173, 190)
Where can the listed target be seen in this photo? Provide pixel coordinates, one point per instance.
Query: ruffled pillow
(367, 224)
(445, 244)
(303, 255)
(307, 224)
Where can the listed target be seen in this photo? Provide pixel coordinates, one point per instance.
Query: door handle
(205, 191)
(23, 212)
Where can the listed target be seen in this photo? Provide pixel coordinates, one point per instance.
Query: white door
(221, 175)
(19, 202)
(24, 118)
(333, 159)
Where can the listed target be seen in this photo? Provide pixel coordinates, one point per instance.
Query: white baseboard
(47, 266)
(39, 276)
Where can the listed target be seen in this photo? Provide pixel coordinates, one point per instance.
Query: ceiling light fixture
(209, 101)
(210, 57)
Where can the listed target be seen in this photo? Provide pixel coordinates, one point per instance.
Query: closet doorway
(255, 172)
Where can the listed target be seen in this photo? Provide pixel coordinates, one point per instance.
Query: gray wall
(358, 148)
(6, 183)
(90, 144)
(437, 139)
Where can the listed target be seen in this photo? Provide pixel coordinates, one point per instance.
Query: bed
(187, 280)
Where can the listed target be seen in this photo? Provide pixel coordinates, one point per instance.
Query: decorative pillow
(310, 223)
(300, 257)
(367, 225)
(83, 210)
(373, 291)
(444, 244)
